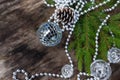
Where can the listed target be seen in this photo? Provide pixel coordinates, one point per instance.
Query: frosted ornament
(100, 69)
(67, 71)
(114, 55)
(50, 34)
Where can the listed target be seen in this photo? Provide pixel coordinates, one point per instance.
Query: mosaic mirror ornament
(114, 55)
(100, 69)
(67, 71)
(50, 34)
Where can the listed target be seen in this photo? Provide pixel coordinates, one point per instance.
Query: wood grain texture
(20, 47)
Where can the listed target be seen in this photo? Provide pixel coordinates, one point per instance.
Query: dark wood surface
(20, 47)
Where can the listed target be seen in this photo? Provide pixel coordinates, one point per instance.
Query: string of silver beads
(113, 7)
(86, 74)
(46, 74)
(20, 71)
(49, 5)
(81, 4)
(66, 48)
(97, 36)
(113, 37)
(95, 7)
(33, 76)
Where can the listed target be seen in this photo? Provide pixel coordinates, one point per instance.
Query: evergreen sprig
(83, 42)
(84, 37)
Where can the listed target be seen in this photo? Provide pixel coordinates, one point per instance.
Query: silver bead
(61, 76)
(45, 74)
(14, 73)
(32, 76)
(67, 71)
(18, 70)
(114, 55)
(53, 75)
(57, 75)
(36, 75)
(41, 74)
(49, 74)
(78, 77)
(50, 34)
(100, 69)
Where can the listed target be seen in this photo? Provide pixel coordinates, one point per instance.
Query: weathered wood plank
(19, 45)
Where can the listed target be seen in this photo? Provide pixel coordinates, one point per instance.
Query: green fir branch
(84, 38)
(83, 42)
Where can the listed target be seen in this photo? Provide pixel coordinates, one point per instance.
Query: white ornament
(50, 34)
(114, 55)
(67, 71)
(100, 69)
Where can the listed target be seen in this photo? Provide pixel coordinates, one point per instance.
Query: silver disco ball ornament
(114, 55)
(100, 69)
(50, 34)
(67, 71)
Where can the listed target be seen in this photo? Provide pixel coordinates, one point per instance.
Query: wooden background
(20, 47)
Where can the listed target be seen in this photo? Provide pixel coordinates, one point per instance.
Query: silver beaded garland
(50, 34)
